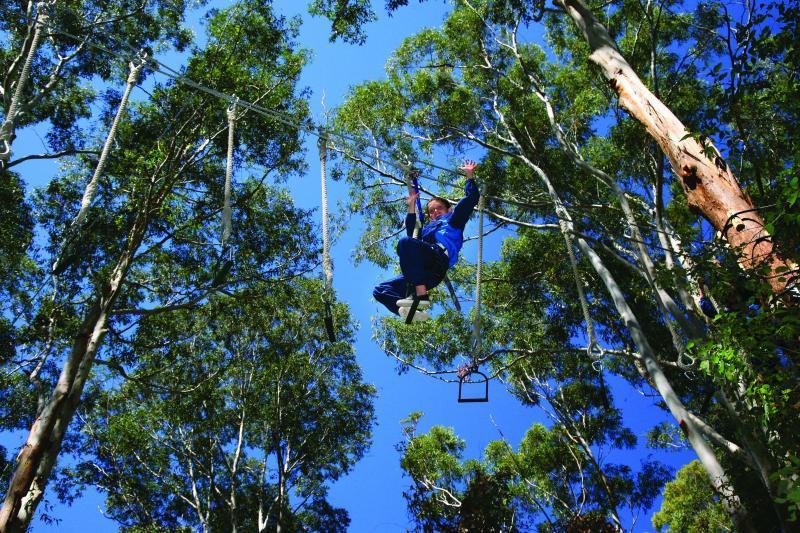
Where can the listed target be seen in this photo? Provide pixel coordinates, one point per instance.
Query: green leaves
(262, 389)
(690, 504)
(347, 18)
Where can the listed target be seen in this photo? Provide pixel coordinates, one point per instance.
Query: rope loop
(227, 212)
(685, 361)
(232, 108)
(595, 351)
(327, 266)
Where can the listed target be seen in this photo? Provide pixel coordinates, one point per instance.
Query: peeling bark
(710, 186)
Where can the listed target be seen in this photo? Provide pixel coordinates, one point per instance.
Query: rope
(91, 187)
(7, 129)
(322, 144)
(476, 328)
(593, 350)
(413, 186)
(226, 206)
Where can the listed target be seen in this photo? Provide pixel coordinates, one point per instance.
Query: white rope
(7, 129)
(326, 252)
(410, 173)
(226, 206)
(476, 328)
(91, 187)
(593, 349)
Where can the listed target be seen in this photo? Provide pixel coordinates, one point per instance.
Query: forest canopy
(171, 334)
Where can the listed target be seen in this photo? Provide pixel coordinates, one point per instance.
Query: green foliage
(347, 18)
(533, 488)
(59, 90)
(483, 79)
(690, 505)
(258, 413)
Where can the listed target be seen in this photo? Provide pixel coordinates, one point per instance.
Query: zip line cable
(284, 118)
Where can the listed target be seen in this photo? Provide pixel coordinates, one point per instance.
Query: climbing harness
(7, 129)
(327, 268)
(469, 373)
(64, 258)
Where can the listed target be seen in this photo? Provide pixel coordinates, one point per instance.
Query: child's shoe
(419, 316)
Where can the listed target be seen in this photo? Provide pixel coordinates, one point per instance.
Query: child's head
(437, 207)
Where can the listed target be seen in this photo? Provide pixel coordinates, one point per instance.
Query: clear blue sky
(372, 493)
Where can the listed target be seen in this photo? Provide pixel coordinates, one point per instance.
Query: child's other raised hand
(468, 167)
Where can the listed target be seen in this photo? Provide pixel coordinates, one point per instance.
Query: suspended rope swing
(471, 373)
(66, 255)
(226, 199)
(7, 129)
(327, 267)
(225, 262)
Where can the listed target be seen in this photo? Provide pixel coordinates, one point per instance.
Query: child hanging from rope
(424, 261)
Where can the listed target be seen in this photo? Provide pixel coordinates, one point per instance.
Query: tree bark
(38, 456)
(648, 362)
(710, 186)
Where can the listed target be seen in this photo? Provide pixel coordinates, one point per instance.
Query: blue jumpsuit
(425, 261)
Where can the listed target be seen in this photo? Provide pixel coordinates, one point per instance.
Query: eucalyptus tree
(690, 504)
(481, 80)
(150, 243)
(51, 53)
(232, 419)
(551, 482)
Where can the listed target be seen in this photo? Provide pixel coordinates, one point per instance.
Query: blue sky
(372, 493)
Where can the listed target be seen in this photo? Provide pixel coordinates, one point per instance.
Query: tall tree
(148, 243)
(477, 81)
(239, 426)
(550, 483)
(52, 52)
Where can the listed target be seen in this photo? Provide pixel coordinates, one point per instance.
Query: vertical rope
(413, 186)
(91, 187)
(226, 205)
(322, 144)
(7, 129)
(476, 328)
(593, 349)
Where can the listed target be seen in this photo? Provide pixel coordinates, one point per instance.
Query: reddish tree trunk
(710, 186)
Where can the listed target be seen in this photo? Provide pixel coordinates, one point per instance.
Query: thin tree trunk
(649, 363)
(38, 456)
(709, 184)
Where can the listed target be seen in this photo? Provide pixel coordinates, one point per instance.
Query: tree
(547, 169)
(146, 249)
(548, 484)
(707, 179)
(62, 47)
(239, 426)
(690, 504)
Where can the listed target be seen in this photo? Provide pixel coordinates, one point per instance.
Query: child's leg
(422, 264)
(390, 291)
